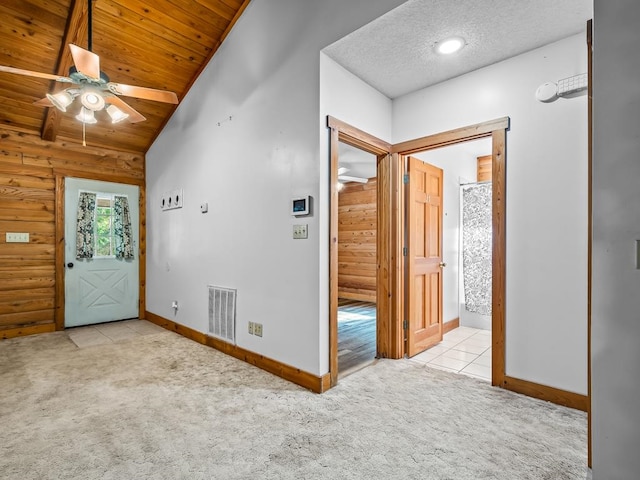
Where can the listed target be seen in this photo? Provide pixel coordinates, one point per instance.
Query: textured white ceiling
(395, 54)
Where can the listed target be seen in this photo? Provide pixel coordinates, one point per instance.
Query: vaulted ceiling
(161, 44)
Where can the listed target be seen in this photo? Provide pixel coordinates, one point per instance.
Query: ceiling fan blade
(85, 61)
(349, 178)
(43, 102)
(134, 115)
(30, 73)
(143, 92)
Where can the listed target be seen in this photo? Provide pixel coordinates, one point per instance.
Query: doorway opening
(394, 330)
(464, 257)
(352, 139)
(496, 130)
(101, 254)
(357, 272)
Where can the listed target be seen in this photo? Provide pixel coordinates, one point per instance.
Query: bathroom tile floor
(463, 350)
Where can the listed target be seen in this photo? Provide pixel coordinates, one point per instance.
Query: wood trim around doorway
(589, 231)
(390, 341)
(59, 233)
(343, 132)
(496, 130)
(390, 227)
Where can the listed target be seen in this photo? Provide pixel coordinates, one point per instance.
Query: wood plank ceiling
(161, 44)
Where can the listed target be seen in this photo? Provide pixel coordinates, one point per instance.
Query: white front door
(103, 288)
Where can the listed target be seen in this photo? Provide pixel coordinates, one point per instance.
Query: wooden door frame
(59, 248)
(589, 231)
(497, 131)
(390, 337)
(343, 132)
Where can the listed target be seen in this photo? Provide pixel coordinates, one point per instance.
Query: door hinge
(405, 178)
(405, 324)
(404, 251)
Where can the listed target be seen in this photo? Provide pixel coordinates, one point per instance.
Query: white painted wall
(546, 330)
(615, 321)
(266, 77)
(347, 98)
(457, 165)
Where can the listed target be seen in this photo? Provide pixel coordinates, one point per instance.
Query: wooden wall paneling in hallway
(29, 167)
(357, 216)
(485, 165)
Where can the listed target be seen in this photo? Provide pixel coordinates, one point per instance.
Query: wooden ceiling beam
(76, 32)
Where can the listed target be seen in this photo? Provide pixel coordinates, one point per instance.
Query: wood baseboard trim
(450, 325)
(549, 394)
(187, 332)
(295, 375)
(24, 331)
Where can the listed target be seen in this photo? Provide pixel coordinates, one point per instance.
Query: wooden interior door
(424, 252)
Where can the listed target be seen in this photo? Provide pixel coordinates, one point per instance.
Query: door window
(105, 240)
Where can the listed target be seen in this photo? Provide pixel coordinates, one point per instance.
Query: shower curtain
(476, 247)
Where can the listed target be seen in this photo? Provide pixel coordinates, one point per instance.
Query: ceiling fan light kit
(86, 116)
(61, 100)
(93, 87)
(92, 100)
(116, 114)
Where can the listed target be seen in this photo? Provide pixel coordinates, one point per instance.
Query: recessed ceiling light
(449, 45)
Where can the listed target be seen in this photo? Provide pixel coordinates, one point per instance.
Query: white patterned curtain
(85, 227)
(122, 228)
(476, 247)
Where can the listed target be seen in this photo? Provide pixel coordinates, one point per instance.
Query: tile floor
(113, 332)
(463, 350)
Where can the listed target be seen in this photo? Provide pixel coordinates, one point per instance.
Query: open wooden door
(424, 252)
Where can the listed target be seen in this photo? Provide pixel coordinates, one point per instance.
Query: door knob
(442, 264)
(70, 264)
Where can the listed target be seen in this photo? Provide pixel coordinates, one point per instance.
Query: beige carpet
(163, 407)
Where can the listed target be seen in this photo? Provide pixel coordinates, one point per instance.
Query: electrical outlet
(13, 237)
(251, 328)
(300, 231)
(257, 329)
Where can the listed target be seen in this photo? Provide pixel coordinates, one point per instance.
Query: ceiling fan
(349, 178)
(93, 88)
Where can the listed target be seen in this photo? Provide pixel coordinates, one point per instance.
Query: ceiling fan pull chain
(84, 134)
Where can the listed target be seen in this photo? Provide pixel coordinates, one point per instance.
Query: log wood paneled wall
(357, 241)
(484, 168)
(29, 167)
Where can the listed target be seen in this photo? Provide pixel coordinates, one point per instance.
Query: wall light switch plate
(171, 200)
(300, 232)
(204, 207)
(14, 237)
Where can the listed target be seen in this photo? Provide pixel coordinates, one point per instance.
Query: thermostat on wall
(300, 206)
